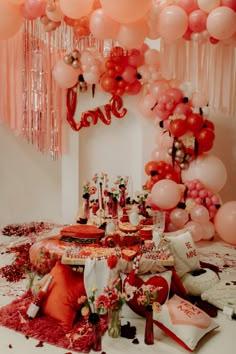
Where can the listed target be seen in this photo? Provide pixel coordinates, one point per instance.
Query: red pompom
(112, 261)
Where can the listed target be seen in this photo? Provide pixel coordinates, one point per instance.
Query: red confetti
(40, 344)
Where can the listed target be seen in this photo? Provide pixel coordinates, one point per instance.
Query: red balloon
(209, 124)
(134, 88)
(149, 184)
(178, 127)
(151, 166)
(109, 84)
(155, 178)
(205, 139)
(194, 122)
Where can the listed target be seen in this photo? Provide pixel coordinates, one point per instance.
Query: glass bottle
(97, 342)
(39, 299)
(86, 211)
(115, 206)
(149, 334)
(122, 201)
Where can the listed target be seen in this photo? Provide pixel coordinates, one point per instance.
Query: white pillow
(184, 322)
(196, 284)
(184, 251)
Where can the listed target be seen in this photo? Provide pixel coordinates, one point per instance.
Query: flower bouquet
(147, 295)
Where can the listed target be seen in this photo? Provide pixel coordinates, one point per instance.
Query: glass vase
(122, 199)
(115, 206)
(114, 323)
(149, 334)
(110, 205)
(97, 341)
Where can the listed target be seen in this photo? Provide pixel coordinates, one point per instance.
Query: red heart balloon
(157, 281)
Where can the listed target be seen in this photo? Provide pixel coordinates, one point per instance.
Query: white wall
(30, 183)
(118, 148)
(225, 149)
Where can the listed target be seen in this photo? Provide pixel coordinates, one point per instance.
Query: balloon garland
(183, 178)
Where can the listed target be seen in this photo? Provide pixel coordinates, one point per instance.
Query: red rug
(79, 339)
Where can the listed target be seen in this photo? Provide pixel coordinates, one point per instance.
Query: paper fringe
(209, 68)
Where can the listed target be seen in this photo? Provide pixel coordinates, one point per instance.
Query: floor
(217, 342)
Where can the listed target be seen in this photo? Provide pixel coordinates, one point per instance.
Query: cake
(83, 234)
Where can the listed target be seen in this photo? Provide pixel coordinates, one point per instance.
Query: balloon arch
(69, 45)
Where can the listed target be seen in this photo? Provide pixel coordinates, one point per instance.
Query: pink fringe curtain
(31, 103)
(209, 68)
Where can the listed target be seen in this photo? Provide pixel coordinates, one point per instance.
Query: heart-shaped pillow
(161, 280)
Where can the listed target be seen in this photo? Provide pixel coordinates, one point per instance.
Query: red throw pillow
(161, 280)
(64, 291)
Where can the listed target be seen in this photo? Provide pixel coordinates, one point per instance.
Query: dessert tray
(75, 255)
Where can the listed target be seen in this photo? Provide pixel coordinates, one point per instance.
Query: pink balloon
(208, 230)
(34, 9)
(10, 19)
(166, 194)
(56, 15)
(179, 217)
(225, 222)
(136, 58)
(171, 227)
(146, 105)
(17, 2)
(162, 114)
(199, 214)
(124, 11)
(199, 99)
(76, 8)
(173, 23)
(65, 75)
(91, 77)
(195, 229)
(176, 94)
(221, 22)
(208, 5)
(129, 74)
(165, 140)
(152, 57)
(160, 154)
(229, 3)
(132, 35)
(209, 170)
(102, 26)
(158, 87)
(197, 21)
(188, 5)
(183, 108)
